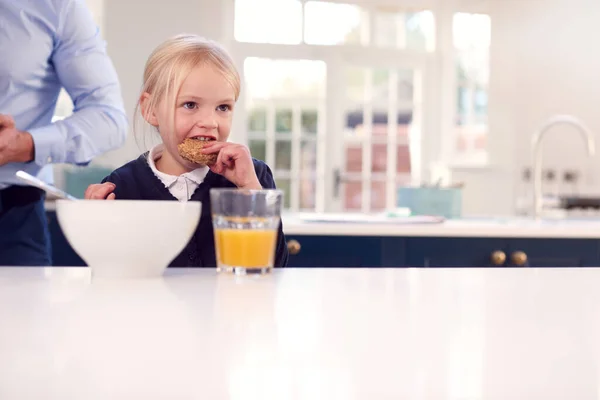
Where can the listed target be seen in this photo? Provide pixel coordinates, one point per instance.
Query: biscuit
(189, 149)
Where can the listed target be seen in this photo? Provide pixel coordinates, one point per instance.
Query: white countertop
(467, 227)
(442, 334)
(493, 227)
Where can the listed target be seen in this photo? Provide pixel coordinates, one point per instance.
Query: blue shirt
(46, 45)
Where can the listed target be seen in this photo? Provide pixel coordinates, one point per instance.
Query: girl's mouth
(204, 138)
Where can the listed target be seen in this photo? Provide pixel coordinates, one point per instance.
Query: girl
(189, 91)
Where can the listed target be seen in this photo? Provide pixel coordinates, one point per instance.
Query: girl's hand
(100, 191)
(234, 163)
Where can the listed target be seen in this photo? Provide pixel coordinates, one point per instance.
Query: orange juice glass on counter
(246, 223)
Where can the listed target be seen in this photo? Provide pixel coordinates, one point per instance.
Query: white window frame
(448, 154)
(438, 135)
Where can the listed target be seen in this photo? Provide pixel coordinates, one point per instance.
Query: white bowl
(128, 238)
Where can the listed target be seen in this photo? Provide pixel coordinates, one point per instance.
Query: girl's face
(203, 108)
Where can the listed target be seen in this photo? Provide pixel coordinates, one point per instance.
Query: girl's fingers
(213, 147)
(99, 191)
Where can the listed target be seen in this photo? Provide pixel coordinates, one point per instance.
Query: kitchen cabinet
(444, 252)
(452, 252)
(371, 251)
(346, 251)
(555, 252)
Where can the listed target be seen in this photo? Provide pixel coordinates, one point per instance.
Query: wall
(543, 63)
(130, 43)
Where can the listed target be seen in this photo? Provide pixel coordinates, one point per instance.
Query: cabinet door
(452, 252)
(554, 252)
(340, 251)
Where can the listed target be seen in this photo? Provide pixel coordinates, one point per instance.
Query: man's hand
(15, 145)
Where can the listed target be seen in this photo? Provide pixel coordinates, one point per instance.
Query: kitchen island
(310, 333)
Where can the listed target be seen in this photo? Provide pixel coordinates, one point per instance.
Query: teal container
(443, 202)
(78, 179)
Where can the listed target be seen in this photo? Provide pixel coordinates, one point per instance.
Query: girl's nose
(206, 120)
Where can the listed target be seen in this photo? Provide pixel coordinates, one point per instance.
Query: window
(331, 23)
(255, 22)
(471, 38)
(334, 23)
(285, 103)
(340, 131)
(378, 122)
(413, 31)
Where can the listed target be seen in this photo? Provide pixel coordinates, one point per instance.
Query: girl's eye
(224, 108)
(190, 105)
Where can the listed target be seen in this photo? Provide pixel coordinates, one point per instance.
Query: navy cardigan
(136, 181)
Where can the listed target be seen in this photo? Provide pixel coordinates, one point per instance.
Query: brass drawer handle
(498, 257)
(293, 247)
(519, 258)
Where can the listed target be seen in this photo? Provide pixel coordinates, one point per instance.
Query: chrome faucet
(588, 136)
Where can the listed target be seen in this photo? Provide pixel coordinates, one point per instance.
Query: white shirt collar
(197, 176)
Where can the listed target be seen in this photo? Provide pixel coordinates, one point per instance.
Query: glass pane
(471, 37)
(283, 155)
(471, 31)
(308, 188)
(355, 79)
(379, 94)
(472, 137)
(352, 196)
(414, 31)
(463, 105)
(462, 141)
(480, 105)
(266, 78)
(284, 185)
(332, 23)
(257, 120)
(308, 154)
(309, 121)
(283, 121)
(255, 21)
(403, 160)
(379, 158)
(353, 158)
(258, 149)
(377, 196)
(355, 127)
(480, 142)
(420, 31)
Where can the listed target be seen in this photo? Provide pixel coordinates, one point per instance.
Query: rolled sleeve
(99, 122)
(49, 145)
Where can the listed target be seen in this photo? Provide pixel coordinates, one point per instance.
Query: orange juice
(249, 248)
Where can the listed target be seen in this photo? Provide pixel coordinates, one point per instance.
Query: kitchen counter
(302, 334)
(467, 227)
(492, 227)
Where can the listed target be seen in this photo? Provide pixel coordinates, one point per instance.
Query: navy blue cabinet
(452, 252)
(395, 252)
(444, 252)
(348, 251)
(555, 252)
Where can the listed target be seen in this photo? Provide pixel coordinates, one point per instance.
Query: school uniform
(140, 180)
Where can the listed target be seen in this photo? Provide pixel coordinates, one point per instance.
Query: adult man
(46, 45)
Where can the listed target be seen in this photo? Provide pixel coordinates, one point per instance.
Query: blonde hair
(171, 62)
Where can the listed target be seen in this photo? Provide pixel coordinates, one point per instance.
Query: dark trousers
(24, 236)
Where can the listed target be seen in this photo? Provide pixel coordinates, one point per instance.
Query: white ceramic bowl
(128, 238)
